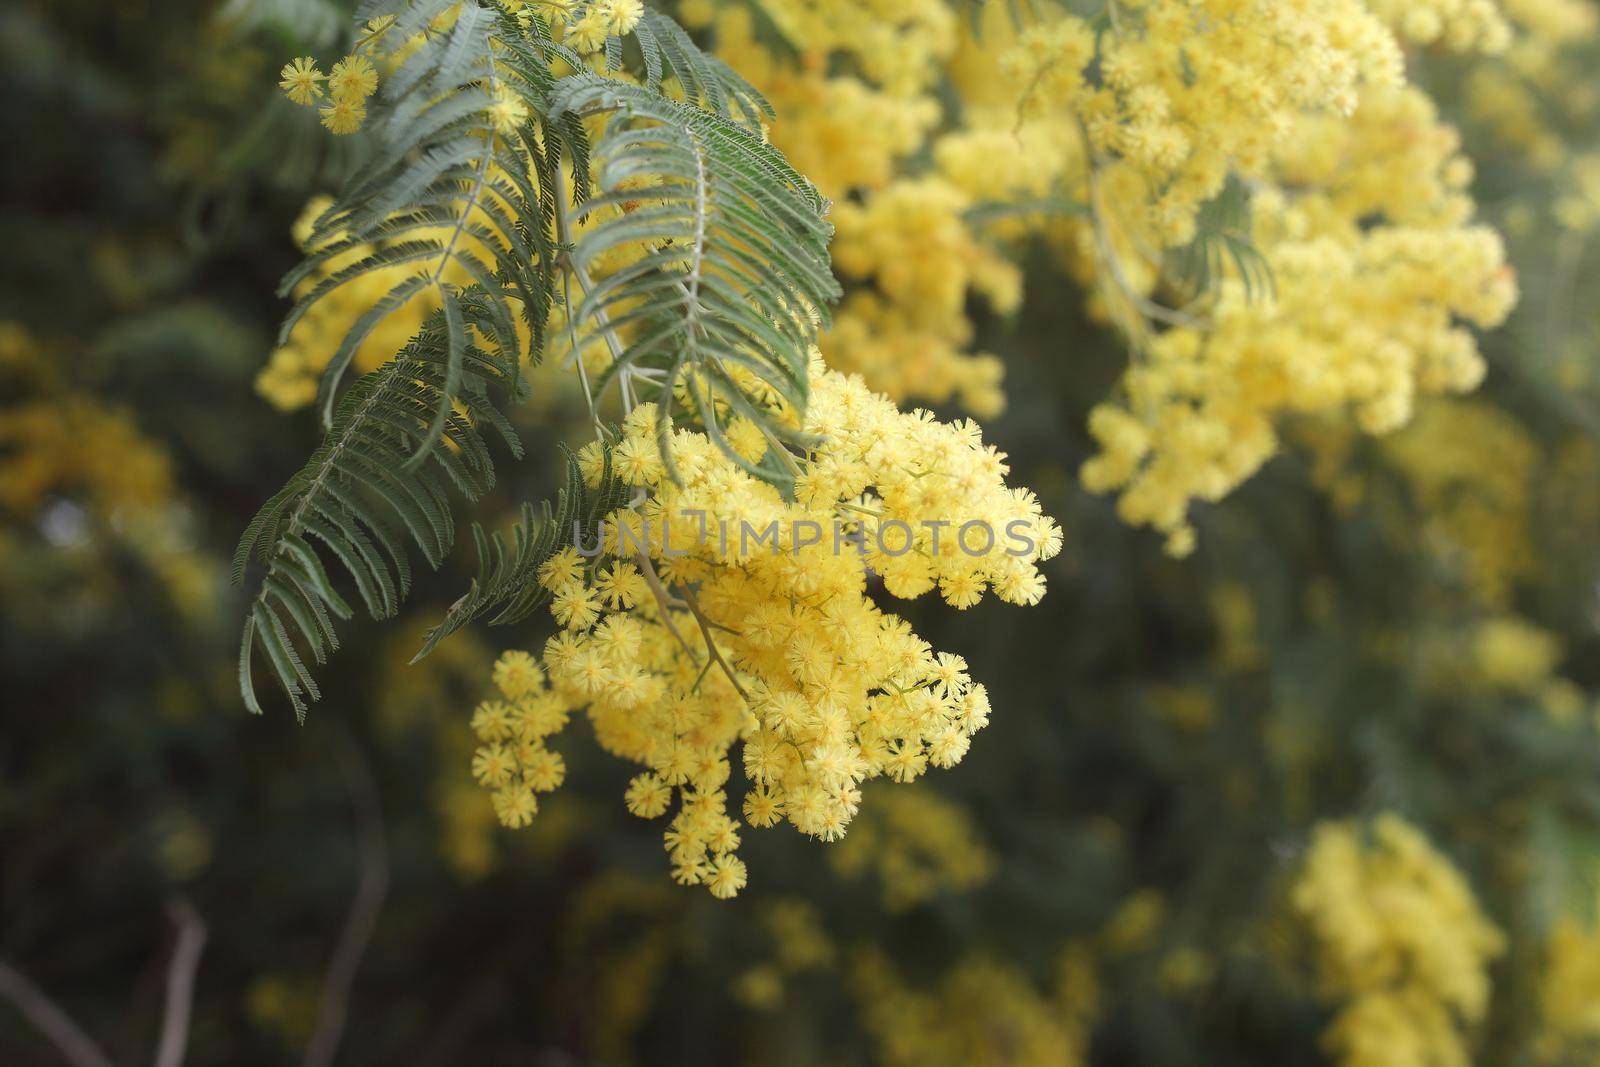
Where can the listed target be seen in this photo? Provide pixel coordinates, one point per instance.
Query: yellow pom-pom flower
(353, 78)
(301, 80)
(344, 116)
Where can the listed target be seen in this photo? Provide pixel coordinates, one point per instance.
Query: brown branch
(663, 600)
(68, 1037)
(711, 643)
(180, 983)
(371, 889)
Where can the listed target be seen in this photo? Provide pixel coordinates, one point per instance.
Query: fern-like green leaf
(472, 214)
(708, 82)
(735, 277)
(507, 583)
(433, 196)
(1222, 239)
(361, 501)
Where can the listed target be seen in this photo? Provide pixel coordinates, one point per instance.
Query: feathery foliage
(507, 578)
(708, 83)
(725, 284)
(354, 490)
(438, 177)
(1222, 236)
(737, 276)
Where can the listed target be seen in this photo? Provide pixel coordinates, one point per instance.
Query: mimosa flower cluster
(1111, 140)
(1537, 86)
(586, 26)
(912, 242)
(1244, 77)
(1472, 469)
(289, 380)
(1363, 320)
(347, 86)
(1457, 25)
(1400, 944)
(904, 241)
(680, 643)
(916, 845)
(955, 1021)
(1569, 988)
(896, 44)
(81, 473)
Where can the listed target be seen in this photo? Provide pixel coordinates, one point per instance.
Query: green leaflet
(364, 504)
(429, 196)
(1222, 238)
(507, 582)
(736, 276)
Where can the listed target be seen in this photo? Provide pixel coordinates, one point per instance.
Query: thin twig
(711, 643)
(777, 446)
(68, 1037)
(1105, 247)
(362, 920)
(1130, 292)
(577, 271)
(564, 238)
(1563, 289)
(1111, 13)
(659, 591)
(181, 972)
(447, 252)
